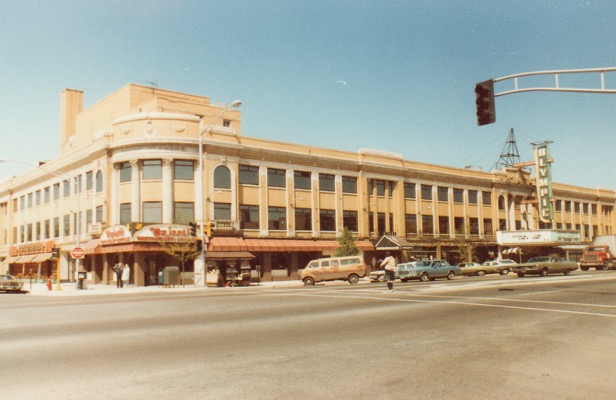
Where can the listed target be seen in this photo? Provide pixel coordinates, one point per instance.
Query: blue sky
(391, 75)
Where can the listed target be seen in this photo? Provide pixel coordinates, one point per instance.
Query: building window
(380, 220)
(458, 196)
(152, 170)
(349, 220)
(125, 213)
(276, 177)
(99, 214)
(327, 183)
(226, 123)
(184, 170)
(67, 225)
(30, 200)
(67, 188)
(558, 205)
(222, 177)
(380, 187)
(277, 218)
(99, 181)
(410, 223)
(349, 185)
(89, 181)
(152, 212)
(47, 195)
(303, 219)
(328, 220)
(443, 194)
(459, 225)
(443, 225)
(487, 227)
(22, 203)
(56, 191)
(183, 212)
(426, 192)
(125, 172)
(248, 175)
(222, 211)
(249, 217)
(427, 225)
(567, 206)
(88, 217)
(486, 198)
(409, 190)
(472, 197)
(302, 180)
(473, 225)
(47, 229)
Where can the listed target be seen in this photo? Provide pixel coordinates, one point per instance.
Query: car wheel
(309, 281)
(452, 275)
(544, 272)
(424, 277)
(585, 268)
(481, 273)
(520, 274)
(353, 279)
(404, 280)
(504, 272)
(567, 272)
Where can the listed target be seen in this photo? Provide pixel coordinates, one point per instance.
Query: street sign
(78, 252)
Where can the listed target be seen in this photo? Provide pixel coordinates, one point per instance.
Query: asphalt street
(471, 338)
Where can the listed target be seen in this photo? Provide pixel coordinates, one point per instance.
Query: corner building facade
(126, 183)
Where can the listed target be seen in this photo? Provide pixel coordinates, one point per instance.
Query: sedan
(544, 266)
(8, 283)
(427, 270)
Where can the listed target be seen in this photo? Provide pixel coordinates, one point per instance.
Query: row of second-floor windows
(56, 227)
(152, 213)
(183, 170)
(60, 190)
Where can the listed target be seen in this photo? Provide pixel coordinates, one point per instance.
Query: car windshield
(539, 259)
(507, 261)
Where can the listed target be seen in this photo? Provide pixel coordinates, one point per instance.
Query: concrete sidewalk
(70, 289)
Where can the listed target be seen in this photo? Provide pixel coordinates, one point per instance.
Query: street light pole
(201, 196)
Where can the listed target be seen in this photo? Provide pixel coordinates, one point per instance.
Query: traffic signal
(55, 253)
(193, 229)
(486, 112)
(208, 229)
(199, 245)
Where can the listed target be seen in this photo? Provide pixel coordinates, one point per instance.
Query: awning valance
(278, 245)
(229, 255)
(392, 242)
(42, 257)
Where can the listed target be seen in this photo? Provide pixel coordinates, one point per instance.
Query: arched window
(99, 181)
(222, 177)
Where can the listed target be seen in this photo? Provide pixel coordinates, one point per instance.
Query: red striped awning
(278, 245)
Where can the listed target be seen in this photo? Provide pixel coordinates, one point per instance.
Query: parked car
(475, 269)
(544, 266)
(503, 266)
(349, 268)
(8, 283)
(427, 270)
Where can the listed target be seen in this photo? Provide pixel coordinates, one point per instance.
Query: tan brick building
(126, 182)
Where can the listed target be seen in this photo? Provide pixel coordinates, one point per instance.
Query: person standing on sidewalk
(125, 275)
(389, 263)
(118, 272)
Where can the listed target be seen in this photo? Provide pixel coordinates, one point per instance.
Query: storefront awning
(42, 257)
(278, 245)
(392, 242)
(229, 255)
(90, 247)
(12, 260)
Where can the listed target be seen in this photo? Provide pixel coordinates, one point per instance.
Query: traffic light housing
(199, 245)
(484, 93)
(55, 253)
(193, 229)
(208, 229)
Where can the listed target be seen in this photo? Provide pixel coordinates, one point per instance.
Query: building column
(115, 189)
(135, 191)
(167, 191)
(263, 202)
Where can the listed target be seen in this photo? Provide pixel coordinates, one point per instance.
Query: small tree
(347, 246)
(181, 251)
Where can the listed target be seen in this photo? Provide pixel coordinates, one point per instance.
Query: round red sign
(78, 252)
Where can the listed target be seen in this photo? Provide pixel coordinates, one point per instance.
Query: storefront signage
(31, 248)
(164, 233)
(115, 234)
(544, 183)
(537, 237)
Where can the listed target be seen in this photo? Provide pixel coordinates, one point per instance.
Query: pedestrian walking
(125, 275)
(118, 272)
(389, 263)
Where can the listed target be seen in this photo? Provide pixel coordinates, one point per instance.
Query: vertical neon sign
(544, 182)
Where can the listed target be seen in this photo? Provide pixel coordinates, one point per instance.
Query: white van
(349, 268)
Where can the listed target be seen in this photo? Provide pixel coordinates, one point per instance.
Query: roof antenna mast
(510, 155)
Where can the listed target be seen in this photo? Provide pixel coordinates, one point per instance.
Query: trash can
(171, 276)
(81, 280)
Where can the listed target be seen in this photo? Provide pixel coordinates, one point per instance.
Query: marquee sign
(164, 233)
(115, 234)
(537, 237)
(544, 183)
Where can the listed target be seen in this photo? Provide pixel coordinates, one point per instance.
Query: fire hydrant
(48, 283)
